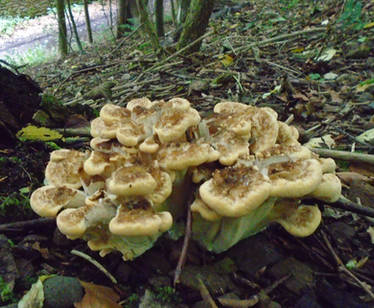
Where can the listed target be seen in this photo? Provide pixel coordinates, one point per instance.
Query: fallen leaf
(335, 98)
(34, 298)
(97, 296)
(327, 55)
(370, 230)
(227, 60)
(320, 142)
(369, 25)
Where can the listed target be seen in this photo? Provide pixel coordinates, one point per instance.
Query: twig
(204, 292)
(246, 47)
(186, 240)
(94, 262)
(28, 224)
(342, 267)
(347, 205)
(157, 65)
(344, 155)
(125, 39)
(253, 300)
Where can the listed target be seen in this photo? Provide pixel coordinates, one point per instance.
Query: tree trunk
(183, 10)
(123, 15)
(148, 25)
(74, 26)
(159, 11)
(62, 33)
(88, 22)
(196, 23)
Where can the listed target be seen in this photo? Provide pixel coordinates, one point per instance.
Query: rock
(254, 253)
(151, 300)
(301, 274)
(62, 292)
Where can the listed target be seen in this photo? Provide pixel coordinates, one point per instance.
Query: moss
(33, 133)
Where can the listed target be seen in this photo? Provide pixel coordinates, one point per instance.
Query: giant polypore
(246, 166)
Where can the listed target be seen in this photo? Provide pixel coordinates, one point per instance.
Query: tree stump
(19, 99)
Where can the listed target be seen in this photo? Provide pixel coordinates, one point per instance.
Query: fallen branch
(347, 205)
(28, 224)
(344, 155)
(246, 47)
(253, 300)
(95, 263)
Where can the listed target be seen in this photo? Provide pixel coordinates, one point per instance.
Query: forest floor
(313, 63)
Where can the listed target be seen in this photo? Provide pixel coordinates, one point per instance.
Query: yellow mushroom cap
(104, 130)
(328, 165)
(204, 210)
(131, 181)
(235, 191)
(139, 102)
(65, 167)
(138, 218)
(149, 145)
(300, 220)
(229, 107)
(181, 155)
(75, 222)
(173, 123)
(265, 128)
(48, 200)
(287, 134)
(329, 190)
(294, 179)
(163, 189)
(130, 133)
(112, 113)
(96, 163)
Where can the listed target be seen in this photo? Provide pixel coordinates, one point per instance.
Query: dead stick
(253, 300)
(346, 204)
(342, 267)
(28, 224)
(183, 255)
(279, 37)
(344, 155)
(204, 292)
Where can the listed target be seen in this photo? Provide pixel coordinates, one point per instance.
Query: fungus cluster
(247, 167)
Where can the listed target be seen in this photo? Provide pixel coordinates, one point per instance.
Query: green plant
(132, 301)
(16, 203)
(167, 295)
(7, 24)
(6, 292)
(352, 15)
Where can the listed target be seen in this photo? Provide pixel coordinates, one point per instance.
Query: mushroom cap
(292, 151)
(229, 107)
(173, 123)
(300, 221)
(235, 191)
(328, 165)
(99, 128)
(163, 189)
(96, 163)
(138, 218)
(264, 131)
(131, 181)
(204, 210)
(65, 167)
(142, 102)
(130, 133)
(48, 200)
(295, 179)
(329, 190)
(181, 155)
(287, 134)
(111, 113)
(149, 145)
(98, 210)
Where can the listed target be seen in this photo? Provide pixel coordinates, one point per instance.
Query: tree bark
(159, 11)
(183, 10)
(88, 22)
(148, 25)
(196, 23)
(123, 15)
(62, 33)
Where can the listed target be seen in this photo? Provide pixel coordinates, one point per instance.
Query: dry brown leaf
(97, 296)
(335, 98)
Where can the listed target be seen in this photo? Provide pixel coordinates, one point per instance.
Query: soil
(334, 267)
